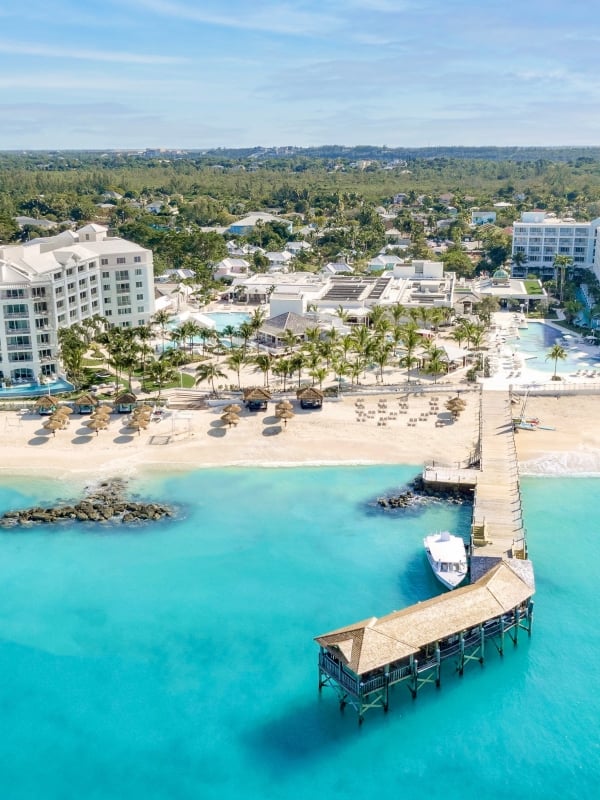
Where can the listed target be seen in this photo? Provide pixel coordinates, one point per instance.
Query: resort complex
(53, 283)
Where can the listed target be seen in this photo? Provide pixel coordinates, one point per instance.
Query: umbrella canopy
(66, 410)
(284, 404)
(53, 425)
(285, 414)
(233, 408)
(230, 418)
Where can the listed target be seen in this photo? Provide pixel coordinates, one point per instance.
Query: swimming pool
(534, 344)
(224, 318)
(35, 390)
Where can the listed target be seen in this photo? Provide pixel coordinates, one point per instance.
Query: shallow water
(177, 661)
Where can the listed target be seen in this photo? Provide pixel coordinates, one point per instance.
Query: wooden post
(414, 666)
(517, 623)
(501, 648)
(461, 655)
(481, 644)
(386, 688)
(438, 667)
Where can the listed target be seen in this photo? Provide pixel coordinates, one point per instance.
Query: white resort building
(55, 282)
(540, 237)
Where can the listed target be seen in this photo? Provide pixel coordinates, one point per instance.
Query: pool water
(534, 344)
(224, 318)
(35, 390)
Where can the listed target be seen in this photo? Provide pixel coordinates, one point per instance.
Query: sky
(133, 74)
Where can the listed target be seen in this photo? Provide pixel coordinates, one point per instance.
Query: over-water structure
(364, 661)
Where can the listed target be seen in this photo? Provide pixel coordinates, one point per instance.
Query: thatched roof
(124, 398)
(373, 643)
(309, 393)
(257, 393)
(86, 400)
(45, 402)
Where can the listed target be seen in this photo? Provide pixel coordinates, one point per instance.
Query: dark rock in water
(418, 493)
(104, 503)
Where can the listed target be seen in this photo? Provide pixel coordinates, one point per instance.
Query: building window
(13, 294)
(81, 268)
(71, 299)
(61, 318)
(104, 263)
(138, 284)
(73, 314)
(82, 283)
(137, 260)
(57, 276)
(122, 275)
(94, 304)
(106, 274)
(121, 260)
(60, 304)
(83, 295)
(139, 297)
(106, 287)
(69, 271)
(108, 313)
(123, 300)
(38, 291)
(123, 311)
(70, 287)
(140, 309)
(84, 309)
(58, 290)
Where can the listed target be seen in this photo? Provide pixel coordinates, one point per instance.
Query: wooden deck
(497, 529)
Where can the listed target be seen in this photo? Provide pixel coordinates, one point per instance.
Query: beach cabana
(124, 402)
(256, 398)
(85, 404)
(310, 397)
(45, 405)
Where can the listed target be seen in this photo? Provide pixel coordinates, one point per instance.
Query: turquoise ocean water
(177, 661)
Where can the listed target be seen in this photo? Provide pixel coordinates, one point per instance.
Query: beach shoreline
(338, 435)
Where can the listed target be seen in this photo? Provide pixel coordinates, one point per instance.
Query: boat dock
(363, 661)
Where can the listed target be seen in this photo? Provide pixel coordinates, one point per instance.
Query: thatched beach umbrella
(232, 408)
(455, 406)
(230, 418)
(284, 404)
(66, 410)
(96, 425)
(285, 414)
(53, 425)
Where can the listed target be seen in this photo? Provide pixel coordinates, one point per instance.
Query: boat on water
(447, 556)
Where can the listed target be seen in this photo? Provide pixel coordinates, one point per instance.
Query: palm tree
(283, 369)
(162, 319)
(410, 341)
(397, 311)
(289, 339)
(257, 318)
(246, 332)
(161, 372)
(561, 264)
(208, 372)
(296, 365)
(229, 331)
(318, 374)
(236, 361)
(436, 363)
(556, 353)
(264, 362)
(382, 355)
(342, 314)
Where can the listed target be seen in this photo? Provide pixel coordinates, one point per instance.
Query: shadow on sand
(272, 430)
(218, 433)
(40, 439)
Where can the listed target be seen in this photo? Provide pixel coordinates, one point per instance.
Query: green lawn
(533, 287)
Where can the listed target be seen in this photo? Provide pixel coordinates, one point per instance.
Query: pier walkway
(497, 529)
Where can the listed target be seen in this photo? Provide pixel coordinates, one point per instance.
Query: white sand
(196, 439)
(573, 448)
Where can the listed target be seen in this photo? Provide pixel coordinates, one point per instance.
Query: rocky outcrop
(419, 493)
(107, 502)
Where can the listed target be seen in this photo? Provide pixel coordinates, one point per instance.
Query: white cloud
(111, 56)
(267, 18)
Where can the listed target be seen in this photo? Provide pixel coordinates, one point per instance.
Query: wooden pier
(362, 662)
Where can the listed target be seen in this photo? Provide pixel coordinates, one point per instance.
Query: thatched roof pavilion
(310, 397)
(85, 404)
(124, 402)
(373, 644)
(256, 398)
(45, 404)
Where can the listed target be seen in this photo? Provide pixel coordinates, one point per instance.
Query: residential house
(246, 225)
(229, 268)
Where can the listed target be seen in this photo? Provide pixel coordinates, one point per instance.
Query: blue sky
(204, 73)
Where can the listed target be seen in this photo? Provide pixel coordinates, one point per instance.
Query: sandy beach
(381, 432)
(573, 448)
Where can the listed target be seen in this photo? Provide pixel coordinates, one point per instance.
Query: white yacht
(447, 556)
